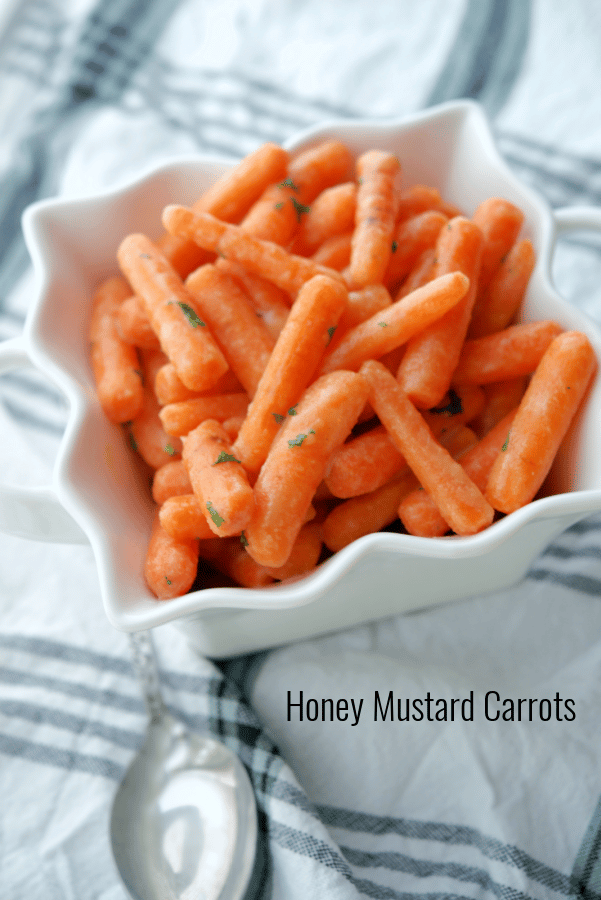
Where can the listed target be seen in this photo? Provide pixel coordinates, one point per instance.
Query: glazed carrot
(152, 362)
(263, 258)
(418, 511)
(332, 213)
(544, 415)
(269, 302)
(297, 462)
(277, 214)
(169, 388)
(427, 367)
(170, 480)
(500, 222)
(394, 326)
(115, 363)
(459, 500)
(232, 426)
(218, 479)
(134, 325)
(292, 364)
(411, 237)
(180, 418)
(363, 304)
(304, 555)
(506, 354)
(335, 253)
(148, 436)
(182, 335)
(230, 558)
(421, 197)
(460, 405)
(419, 275)
(240, 334)
(503, 297)
(368, 513)
(182, 517)
(229, 198)
(500, 398)
(170, 566)
(377, 172)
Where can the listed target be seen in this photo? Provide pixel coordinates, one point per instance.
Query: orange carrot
(544, 415)
(297, 461)
(180, 418)
(170, 308)
(170, 480)
(218, 479)
(331, 213)
(335, 253)
(170, 567)
(134, 325)
(457, 497)
(148, 436)
(169, 388)
(394, 326)
(421, 197)
(497, 307)
(182, 517)
(500, 222)
(506, 354)
(270, 303)
(500, 398)
(293, 362)
(377, 172)
(263, 258)
(115, 363)
(363, 304)
(411, 237)
(419, 275)
(427, 367)
(304, 555)
(240, 334)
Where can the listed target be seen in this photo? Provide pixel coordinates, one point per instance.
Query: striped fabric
(92, 91)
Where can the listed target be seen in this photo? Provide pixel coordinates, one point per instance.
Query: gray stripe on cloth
(487, 53)
(583, 584)
(57, 718)
(586, 874)
(59, 758)
(72, 689)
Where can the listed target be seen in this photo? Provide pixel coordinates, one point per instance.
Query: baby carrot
(411, 237)
(500, 398)
(180, 418)
(263, 258)
(170, 480)
(115, 363)
(134, 325)
(500, 222)
(291, 366)
(182, 517)
(331, 213)
(304, 555)
(170, 566)
(421, 197)
(420, 273)
(394, 326)
(497, 307)
(229, 198)
(375, 215)
(427, 367)
(218, 479)
(506, 354)
(363, 304)
(240, 334)
(457, 497)
(335, 252)
(418, 511)
(169, 388)
(543, 417)
(149, 437)
(182, 334)
(297, 461)
(270, 303)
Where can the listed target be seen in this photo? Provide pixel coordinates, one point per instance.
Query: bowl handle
(33, 512)
(577, 218)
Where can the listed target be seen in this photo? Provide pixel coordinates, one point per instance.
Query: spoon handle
(147, 671)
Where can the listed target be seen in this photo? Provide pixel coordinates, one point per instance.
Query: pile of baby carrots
(313, 351)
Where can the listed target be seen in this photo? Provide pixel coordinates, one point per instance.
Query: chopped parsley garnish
(225, 457)
(144, 256)
(505, 445)
(243, 540)
(132, 441)
(169, 449)
(278, 417)
(141, 374)
(190, 314)
(288, 182)
(299, 208)
(394, 247)
(217, 519)
(292, 410)
(298, 440)
(331, 331)
(279, 205)
(167, 580)
(453, 407)
(383, 324)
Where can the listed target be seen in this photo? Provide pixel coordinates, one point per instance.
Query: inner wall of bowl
(79, 241)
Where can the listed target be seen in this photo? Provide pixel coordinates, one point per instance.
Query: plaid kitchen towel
(364, 787)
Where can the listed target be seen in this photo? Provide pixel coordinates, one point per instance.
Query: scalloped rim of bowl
(147, 612)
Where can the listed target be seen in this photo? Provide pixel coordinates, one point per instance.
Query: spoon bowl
(184, 821)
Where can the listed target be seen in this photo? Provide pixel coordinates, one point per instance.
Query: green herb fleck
(144, 255)
(453, 407)
(505, 445)
(243, 540)
(297, 441)
(169, 449)
(225, 457)
(360, 179)
(141, 374)
(394, 247)
(132, 441)
(190, 314)
(331, 331)
(288, 182)
(299, 208)
(292, 411)
(279, 205)
(217, 519)
(167, 580)
(383, 324)
(278, 417)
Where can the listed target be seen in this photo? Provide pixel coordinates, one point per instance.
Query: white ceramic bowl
(98, 495)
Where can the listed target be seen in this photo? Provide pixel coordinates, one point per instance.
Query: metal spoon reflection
(184, 820)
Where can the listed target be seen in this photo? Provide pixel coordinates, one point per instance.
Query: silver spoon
(184, 819)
